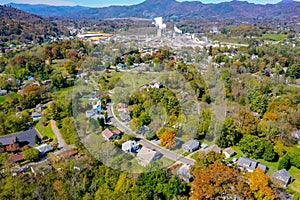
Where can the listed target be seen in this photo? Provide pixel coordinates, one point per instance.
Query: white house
(130, 146)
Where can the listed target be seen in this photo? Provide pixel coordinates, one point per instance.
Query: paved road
(167, 153)
(60, 140)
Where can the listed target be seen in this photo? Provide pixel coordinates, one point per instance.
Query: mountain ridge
(170, 8)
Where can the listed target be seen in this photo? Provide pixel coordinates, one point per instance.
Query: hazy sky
(101, 3)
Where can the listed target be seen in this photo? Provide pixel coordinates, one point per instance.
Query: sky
(102, 3)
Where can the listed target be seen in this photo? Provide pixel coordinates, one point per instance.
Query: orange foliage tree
(168, 138)
(218, 181)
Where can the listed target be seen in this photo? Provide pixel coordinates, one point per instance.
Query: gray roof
(44, 148)
(296, 134)
(27, 137)
(146, 155)
(282, 175)
(247, 163)
(229, 150)
(262, 167)
(191, 145)
(184, 173)
(214, 148)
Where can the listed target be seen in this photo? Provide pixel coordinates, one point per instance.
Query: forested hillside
(18, 26)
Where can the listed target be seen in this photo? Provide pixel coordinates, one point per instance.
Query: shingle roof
(247, 163)
(110, 133)
(229, 150)
(214, 148)
(16, 157)
(25, 136)
(146, 155)
(44, 148)
(282, 175)
(191, 145)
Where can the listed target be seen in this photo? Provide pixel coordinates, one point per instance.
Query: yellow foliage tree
(260, 185)
(168, 138)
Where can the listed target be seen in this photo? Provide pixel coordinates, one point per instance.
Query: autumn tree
(246, 122)
(218, 181)
(260, 185)
(168, 138)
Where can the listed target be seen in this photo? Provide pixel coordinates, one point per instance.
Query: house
(184, 173)
(130, 146)
(36, 115)
(282, 177)
(214, 148)
(146, 155)
(250, 165)
(3, 92)
(18, 140)
(40, 107)
(296, 134)
(94, 114)
(121, 107)
(16, 158)
(44, 148)
(110, 134)
(228, 152)
(125, 116)
(191, 145)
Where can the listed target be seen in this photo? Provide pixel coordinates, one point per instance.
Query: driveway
(60, 140)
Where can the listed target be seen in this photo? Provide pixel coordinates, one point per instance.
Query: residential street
(167, 153)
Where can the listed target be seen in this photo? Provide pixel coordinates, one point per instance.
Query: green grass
(14, 94)
(2, 99)
(166, 161)
(295, 173)
(45, 131)
(272, 166)
(275, 37)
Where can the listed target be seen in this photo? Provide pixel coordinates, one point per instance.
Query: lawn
(166, 161)
(45, 131)
(295, 173)
(2, 99)
(272, 166)
(275, 37)
(14, 94)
